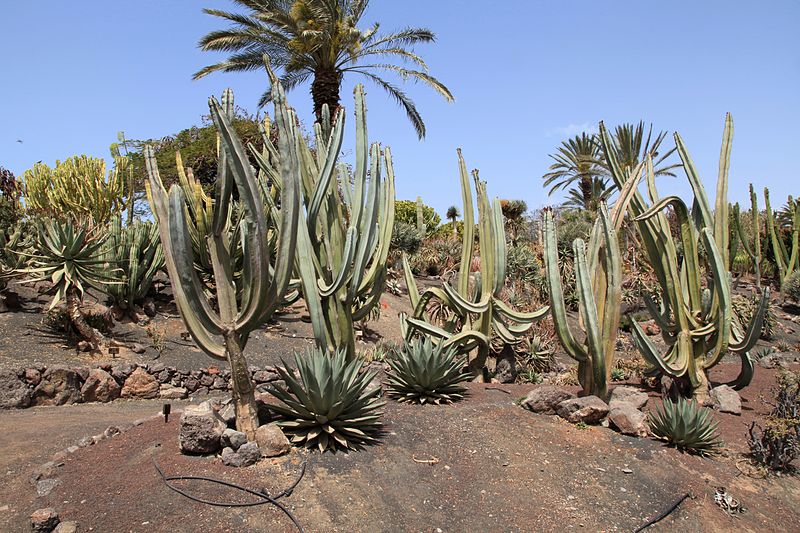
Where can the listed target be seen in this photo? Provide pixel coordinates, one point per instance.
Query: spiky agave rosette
(329, 406)
(686, 425)
(423, 372)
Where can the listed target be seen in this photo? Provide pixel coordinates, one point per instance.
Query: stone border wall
(61, 385)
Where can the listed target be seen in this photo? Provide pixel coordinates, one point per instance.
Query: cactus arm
(651, 354)
(362, 151)
(588, 307)
(722, 292)
(326, 172)
(745, 374)
(466, 306)
(792, 264)
(626, 194)
(779, 251)
(373, 297)
(557, 307)
(756, 234)
(468, 237)
(223, 280)
(345, 272)
(721, 219)
(612, 294)
(500, 251)
(696, 183)
(386, 225)
(411, 284)
(368, 238)
(520, 316)
(224, 184)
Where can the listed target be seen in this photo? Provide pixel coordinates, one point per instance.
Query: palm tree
(452, 215)
(600, 190)
(319, 40)
(631, 147)
(576, 162)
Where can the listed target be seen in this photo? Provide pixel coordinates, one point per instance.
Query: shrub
(685, 425)
(522, 263)
(422, 372)
(777, 443)
(329, 405)
(406, 211)
(406, 238)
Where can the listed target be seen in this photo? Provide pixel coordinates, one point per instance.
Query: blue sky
(525, 75)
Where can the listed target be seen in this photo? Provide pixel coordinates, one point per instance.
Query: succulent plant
(136, 252)
(77, 187)
(70, 255)
(329, 404)
(791, 286)
(686, 425)
(753, 250)
(694, 315)
(477, 313)
(425, 372)
(243, 303)
(346, 227)
(787, 259)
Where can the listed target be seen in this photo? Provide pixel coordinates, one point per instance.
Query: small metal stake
(165, 411)
(113, 351)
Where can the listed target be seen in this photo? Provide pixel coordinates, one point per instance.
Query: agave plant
(686, 425)
(425, 372)
(329, 405)
(69, 254)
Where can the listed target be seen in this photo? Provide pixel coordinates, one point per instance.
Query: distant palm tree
(319, 40)
(631, 147)
(452, 216)
(600, 190)
(576, 164)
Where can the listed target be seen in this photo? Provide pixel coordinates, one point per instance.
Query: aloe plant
(247, 303)
(478, 314)
(685, 425)
(599, 280)
(69, 255)
(346, 226)
(787, 259)
(136, 252)
(752, 250)
(695, 320)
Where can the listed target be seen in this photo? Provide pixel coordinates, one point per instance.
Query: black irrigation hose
(663, 514)
(264, 495)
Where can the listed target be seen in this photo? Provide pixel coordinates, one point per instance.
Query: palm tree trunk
(325, 90)
(586, 190)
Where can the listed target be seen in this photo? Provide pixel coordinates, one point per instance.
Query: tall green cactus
(136, 252)
(479, 315)
(753, 250)
(599, 279)
(695, 321)
(346, 228)
(787, 260)
(242, 309)
(421, 227)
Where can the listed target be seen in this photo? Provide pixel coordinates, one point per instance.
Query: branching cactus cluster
(135, 250)
(478, 314)
(786, 259)
(695, 320)
(345, 230)
(753, 250)
(223, 334)
(599, 280)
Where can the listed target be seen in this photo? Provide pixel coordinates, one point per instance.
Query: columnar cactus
(599, 279)
(346, 228)
(248, 304)
(695, 321)
(136, 252)
(478, 313)
(787, 260)
(754, 250)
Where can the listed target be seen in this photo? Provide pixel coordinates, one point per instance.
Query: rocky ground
(484, 464)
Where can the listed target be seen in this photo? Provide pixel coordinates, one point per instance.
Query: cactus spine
(223, 334)
(346, 229)
(754, 250)
(695, 321)
(787, 260)
(478, 313)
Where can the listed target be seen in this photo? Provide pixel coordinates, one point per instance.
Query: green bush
(406, 211)
(406, 238)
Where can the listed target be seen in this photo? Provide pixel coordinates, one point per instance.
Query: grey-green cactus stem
(247, 301)
(752, 250)
(787, 260)
(695, 317)
(477, 312)
(346, 227)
